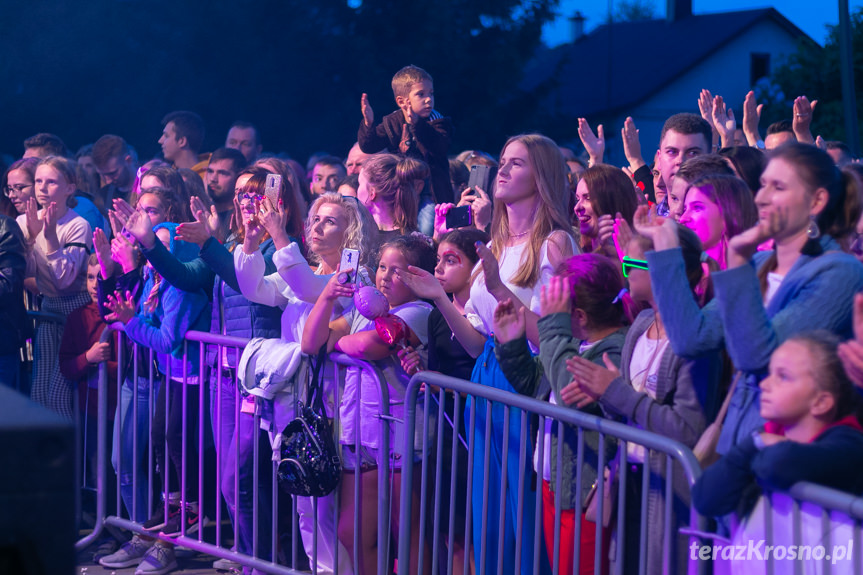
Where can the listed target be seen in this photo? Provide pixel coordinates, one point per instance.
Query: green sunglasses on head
(630, 264)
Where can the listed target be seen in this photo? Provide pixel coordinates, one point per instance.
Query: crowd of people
(729, 267)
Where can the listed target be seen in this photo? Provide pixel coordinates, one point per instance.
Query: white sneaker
(129, 554)
(227, 565)
(158, 561)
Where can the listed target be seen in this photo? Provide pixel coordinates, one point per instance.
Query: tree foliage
(815, 72)
(296, 69)
(634, 10)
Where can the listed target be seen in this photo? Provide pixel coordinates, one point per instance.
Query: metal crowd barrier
(833, 517)
(117, 515)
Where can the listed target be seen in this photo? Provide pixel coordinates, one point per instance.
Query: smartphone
(350, 260)
(460, 217)
(273, 186)
(481, 177)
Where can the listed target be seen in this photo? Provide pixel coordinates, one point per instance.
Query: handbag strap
(315, 396)
(720, 417)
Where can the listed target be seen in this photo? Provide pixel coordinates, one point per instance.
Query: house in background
(652, 69)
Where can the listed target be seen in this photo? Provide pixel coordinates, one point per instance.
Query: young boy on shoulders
(416, 129)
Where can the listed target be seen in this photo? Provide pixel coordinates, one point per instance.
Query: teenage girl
(59, 241)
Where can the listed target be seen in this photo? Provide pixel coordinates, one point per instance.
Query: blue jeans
(134, 483)
(235, 449)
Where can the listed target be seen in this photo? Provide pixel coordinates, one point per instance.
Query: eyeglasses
(630, 264)
(18, 189)
(251, 197)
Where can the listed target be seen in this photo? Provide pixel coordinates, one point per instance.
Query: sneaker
(129, 554)
(173, 526)
(227, 565)
(155, 523)
(105, 548)
(157, 561)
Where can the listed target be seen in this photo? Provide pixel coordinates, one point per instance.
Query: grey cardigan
(526, 374)
(686, 395)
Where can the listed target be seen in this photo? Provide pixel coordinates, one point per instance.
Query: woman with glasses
(19, 183)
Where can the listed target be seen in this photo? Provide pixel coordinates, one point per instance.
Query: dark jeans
(172, 393)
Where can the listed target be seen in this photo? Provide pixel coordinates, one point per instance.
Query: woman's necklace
(519, 235)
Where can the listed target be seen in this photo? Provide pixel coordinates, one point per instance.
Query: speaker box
(37, 488)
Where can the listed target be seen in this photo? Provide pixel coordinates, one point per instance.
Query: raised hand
(751, 118)
(802, 120)
(124, 253)
(273, 218)
(851, 352)
(334, 290)
(724, 122)
(34, 222)
(631, 145)
(410, 116)
(555, 297)
(422, 283)
(490, 268)
(662, 231)
(622, 235)
(140, 227)
(366, 108)
(605, 229)
(480, 206)
(194, 232)
(705, 106)
(743, 246)
(102, 247)
(440, 211)
(593, 143)
(508, 321)
(210, 219)
(122, 307)
(49, 219)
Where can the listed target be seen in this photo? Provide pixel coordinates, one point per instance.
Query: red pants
(567, 532)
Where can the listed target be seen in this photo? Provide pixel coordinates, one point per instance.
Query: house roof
(620, 65)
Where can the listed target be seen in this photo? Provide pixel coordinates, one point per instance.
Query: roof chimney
(678, 10)
(577, 22)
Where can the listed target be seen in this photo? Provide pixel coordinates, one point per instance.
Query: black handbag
(309, 462)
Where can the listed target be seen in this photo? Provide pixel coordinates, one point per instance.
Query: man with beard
(225, 164)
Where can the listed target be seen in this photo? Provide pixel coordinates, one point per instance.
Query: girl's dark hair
(748, 162)
(418, 250)
(174, 206)
(171, 180)
(611, 192)
(465, 239)
(733, 198)
(828, 372)
(693, 258)
(595, 285)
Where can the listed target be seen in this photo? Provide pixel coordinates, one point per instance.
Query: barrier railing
(491, 398)
(838, 516)
(140, 372)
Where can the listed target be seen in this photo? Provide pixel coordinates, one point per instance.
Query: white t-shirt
(63, 272)
(774, 280)
(479, 309)
(643, 370)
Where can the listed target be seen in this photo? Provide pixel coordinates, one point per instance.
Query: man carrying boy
(414, 130)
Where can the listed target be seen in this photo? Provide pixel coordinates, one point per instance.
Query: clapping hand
(724, 122)
(589, 381)
(555, 297)
(102, 247)
(366, 108)
(122, 308)
(508, 321)
(593, 143)
(661, 231)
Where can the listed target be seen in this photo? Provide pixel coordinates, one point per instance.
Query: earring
(813, 231)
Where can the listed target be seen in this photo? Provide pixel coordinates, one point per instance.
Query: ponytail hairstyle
(417, 248)
(68, 169)
(839, 217)
(697, 264)
(552, 206)
(596, 287)
(397, 182)
(828, 373)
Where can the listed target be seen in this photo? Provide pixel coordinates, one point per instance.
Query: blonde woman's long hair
(552, 186)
